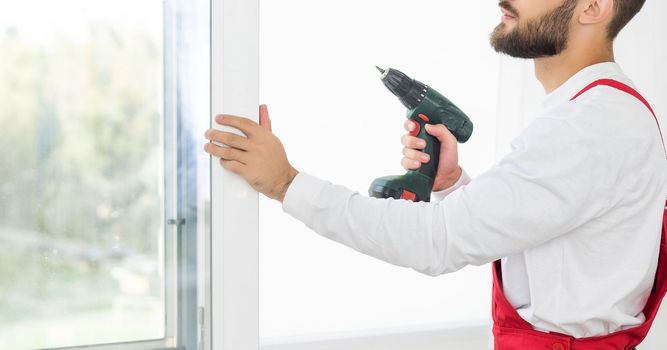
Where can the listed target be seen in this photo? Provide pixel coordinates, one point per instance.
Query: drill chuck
(409, 91)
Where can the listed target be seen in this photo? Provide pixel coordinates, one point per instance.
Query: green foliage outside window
(81, 202)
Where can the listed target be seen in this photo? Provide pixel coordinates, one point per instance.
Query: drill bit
(380, 69)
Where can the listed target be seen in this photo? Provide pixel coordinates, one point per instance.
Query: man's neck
(553, 71)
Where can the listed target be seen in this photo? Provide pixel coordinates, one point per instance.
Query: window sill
(465, 335)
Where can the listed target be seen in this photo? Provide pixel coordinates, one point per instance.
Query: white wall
(642, 53)
(337, 121)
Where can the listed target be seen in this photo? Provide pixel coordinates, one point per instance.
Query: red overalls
(511, 332)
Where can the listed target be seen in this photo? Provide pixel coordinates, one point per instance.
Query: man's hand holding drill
(448, 169)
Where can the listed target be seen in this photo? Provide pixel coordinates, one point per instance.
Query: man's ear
(596, 11)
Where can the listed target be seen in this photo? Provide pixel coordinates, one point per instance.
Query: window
(80, 255)
(103, 188)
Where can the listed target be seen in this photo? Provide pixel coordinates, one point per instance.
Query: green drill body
(425, 106)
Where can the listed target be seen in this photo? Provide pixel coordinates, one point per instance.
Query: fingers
(413, 142)
(244, 124)
(410, 164)
(233, 166)
(415, 155)
(409, 125)
(413, 159)
(227, 138)
(226, 153)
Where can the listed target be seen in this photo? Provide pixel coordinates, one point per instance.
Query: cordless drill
(425, 106)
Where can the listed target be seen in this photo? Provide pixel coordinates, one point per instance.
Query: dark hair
(624, 11)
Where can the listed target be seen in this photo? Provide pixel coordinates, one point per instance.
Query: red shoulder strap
(625, 88)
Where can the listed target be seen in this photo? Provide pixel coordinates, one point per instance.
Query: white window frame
(234, 318)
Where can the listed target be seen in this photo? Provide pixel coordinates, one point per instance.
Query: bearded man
(572, 219)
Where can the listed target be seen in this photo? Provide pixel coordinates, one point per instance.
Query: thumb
(264, 117)
(437, 130)
(441, 132)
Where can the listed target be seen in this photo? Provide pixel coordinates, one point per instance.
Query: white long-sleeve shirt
(574, 212)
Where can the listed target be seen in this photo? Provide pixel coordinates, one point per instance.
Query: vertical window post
(234, 204)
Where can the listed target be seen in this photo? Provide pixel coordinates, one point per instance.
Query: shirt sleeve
(542, 189)
(463, 180)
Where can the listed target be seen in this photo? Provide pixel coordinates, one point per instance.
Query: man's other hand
(259, 157)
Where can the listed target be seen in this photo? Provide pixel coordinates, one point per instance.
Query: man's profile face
(529, 31)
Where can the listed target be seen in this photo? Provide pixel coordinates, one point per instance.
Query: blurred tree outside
(81, 199)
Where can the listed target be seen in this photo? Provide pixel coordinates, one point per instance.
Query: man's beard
(541, 37)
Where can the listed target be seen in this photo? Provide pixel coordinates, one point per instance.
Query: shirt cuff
(464, 179)
(303, 190)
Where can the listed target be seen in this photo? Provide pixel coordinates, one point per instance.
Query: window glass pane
(337, 121)
(81, 185)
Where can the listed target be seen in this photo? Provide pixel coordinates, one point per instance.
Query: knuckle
(213, 149)
(228, 152)
(234, 137)
(416, 142)
(230, 165)
(222, 152)
(241, 140)
(227, 165)
(220, 136)
(248, 123)
(229, 139)
(224, 137)
(214, 135)
(409, 163)
(233, 140)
